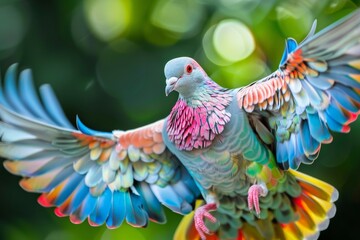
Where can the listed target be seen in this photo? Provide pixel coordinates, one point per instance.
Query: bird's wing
(104, 177)
(315, 89)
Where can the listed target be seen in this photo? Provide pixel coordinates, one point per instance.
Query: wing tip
(8, 165)
(88, 131)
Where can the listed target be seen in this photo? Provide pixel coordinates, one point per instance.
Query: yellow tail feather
(315, 205)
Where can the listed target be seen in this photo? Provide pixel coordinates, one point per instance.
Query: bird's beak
(170, 85)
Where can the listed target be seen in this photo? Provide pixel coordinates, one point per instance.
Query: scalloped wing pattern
(107, 178)
(317, 89)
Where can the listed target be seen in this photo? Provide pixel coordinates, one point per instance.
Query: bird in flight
(225, 158)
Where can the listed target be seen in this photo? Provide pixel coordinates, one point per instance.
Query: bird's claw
(254, 192)
(201, 213)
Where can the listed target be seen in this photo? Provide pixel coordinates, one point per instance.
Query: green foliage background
(105, 59)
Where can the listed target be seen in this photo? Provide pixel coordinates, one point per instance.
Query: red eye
(189, 69)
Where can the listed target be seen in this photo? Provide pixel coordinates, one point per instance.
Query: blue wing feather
(151, 204)
(317, 128)
(335, 110)
(29, 97)
(335, 125)
(53, 107)
(80, 193)
(344, 100)
(72, 183)
(88, 206)
(135, 214)
(290, 46)
(11, 91)
(117, 211)
(88, 131)
(102, 209)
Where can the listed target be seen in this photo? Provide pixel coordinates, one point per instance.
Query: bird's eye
(189, 69)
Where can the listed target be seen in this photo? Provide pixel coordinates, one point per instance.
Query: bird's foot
(254, 192)
(201, 213)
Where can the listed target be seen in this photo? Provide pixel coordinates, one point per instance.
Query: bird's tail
(314, 208)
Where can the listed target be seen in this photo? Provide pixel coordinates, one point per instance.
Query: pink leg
(254, 192)
(201, 213)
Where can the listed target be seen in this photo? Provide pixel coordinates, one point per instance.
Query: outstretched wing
(105, 177)
(315, 89)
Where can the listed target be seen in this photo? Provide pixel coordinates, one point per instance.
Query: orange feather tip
(356, 77)
(355, 64)
(104, 156)
(26, 184)
(10, 166)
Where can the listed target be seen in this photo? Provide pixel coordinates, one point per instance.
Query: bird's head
(183, 75)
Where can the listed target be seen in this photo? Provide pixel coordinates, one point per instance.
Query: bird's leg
(201, 213)
(254, 192)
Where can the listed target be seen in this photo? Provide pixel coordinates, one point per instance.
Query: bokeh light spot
(233, 40)
(177, 16)
(107, 18)
(228, 42)
(209, 49)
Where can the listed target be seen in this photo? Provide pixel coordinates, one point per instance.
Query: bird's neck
(202, 94)
(195, 121)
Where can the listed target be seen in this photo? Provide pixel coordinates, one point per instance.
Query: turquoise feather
(71, 184)
(151, 204)
(117, 212)
(135, 215)
(102, 208)
(80, 194)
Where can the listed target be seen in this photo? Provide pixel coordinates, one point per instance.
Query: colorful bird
(232, 153)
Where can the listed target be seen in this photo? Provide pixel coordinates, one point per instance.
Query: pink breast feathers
(195, 127)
